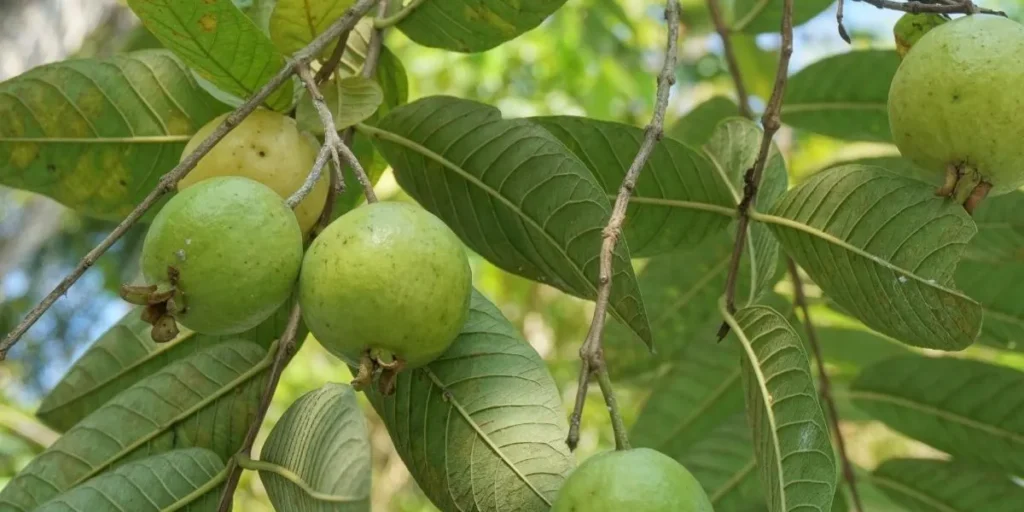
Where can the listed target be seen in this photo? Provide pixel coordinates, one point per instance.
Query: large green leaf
(350, 100)
(482, 427)
(190, 479)
(724, 464)
(219, 42)
(696, 127)
(294, 23)
(758, 16)
(791, 440)
(206, 400)
(924, 485)
(322, 440)
(474, 25)
(845, 96)
(884, 248)
(848, 351)
(126, 354)
(680, 196)
(967, 408)
(97, 134)
(512, 192)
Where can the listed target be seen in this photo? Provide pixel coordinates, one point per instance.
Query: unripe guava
(955, 106)
(637, 480)
(224, 254)
(386, 277)
(269, 148)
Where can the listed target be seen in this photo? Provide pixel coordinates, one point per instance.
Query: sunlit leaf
(966, 408)
(219, 42)
(97, 134)
(844, 96)
(512, 193)
(474, 25)
(294, 23)
(696, 127)
(323, 440)
(791, 440)
(351, 100)
(481, 428)
(923, 485)
(206, 400)
(758, 16)
(884, 248)
(187, 479)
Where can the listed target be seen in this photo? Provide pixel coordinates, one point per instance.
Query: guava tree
(753, 306)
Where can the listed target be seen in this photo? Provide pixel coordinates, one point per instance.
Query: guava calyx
(965, 185)
(372, 366)
(160, 305)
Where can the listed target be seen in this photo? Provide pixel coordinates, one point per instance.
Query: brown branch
(591, 353)
(730, 58)
(839, 23)
(939, 7)
(771, 121)
(800, 301)
(332, 62)
(170, 180)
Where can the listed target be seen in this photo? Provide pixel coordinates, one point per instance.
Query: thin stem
(328, 68)
(170, 180)
(313, 177)
(730, 58)
(591, 354)
(396, 18)
(246, 462)
(839, 23)
(942, 7)
(752, 180)
(800, 301)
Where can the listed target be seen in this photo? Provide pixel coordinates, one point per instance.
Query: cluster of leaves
(483, 426)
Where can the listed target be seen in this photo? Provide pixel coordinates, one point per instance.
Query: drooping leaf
(97, 134)
(189, 479)
(481, 428)
(734, 145)
(966, 408)
(126, 354)
(206, 400)
(219, 42)
(696, 127)
(758, 16)
(724, 464)
(791, 440)
(351, 100)
(680, 198)
(512, 193)
(294, 23)
(474, 25)
(323, 440)
(884, 248)
(845, 96)
(923, 485)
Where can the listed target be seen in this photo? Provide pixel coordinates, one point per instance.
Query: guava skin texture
(387, 276)
(956, 100)
(236, 249)
(636, 480)
(269, 148)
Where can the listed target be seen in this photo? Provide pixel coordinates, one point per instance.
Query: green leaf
(884, 248)
(792, 444)
(759, 16)
(696, 127)
(322, 439)
(470, 26)
(219, 42)
(845, 96)
(734, 145)
(724, 464)
(188, 479)
(351, 100)
(97, 134)
(966, 408)
(206, 400)
(126, 354)
(482, 427)
(294, 23)
(923, 485)
(848, 351)
(681, 197)
(512, 193)
(1000, 237)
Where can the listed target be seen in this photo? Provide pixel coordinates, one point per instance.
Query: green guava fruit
(636, 480)
(955, 107)
(220, 257)
(387, 280)
(269, 148)
(912, 27)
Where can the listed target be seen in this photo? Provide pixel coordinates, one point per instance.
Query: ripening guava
(269, 148)
(955, 106)
(389, 278)
(636, 480)
(223, 255)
